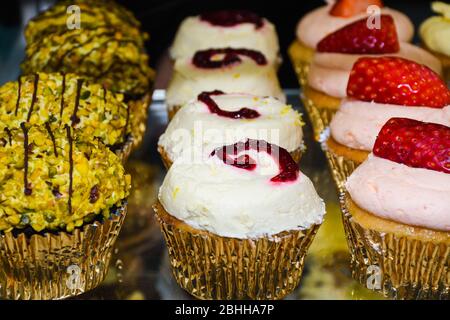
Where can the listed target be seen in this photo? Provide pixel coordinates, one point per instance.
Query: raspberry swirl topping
(231, 155)
(243, 113)
(223, 57)
(231, 18)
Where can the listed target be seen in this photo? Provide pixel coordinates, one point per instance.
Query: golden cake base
(320, 109)
(209, 266)
(400, 261)
(57, 266)
(301, 57)
(342, 161)
(296, 156)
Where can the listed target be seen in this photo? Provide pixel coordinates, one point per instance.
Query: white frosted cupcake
(238, 224)
(215, 119)
(226, 69)
(228, 28)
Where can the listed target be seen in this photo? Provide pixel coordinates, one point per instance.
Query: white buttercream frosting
(357, 123)
(330, 72)
(245, 77)
(195, 131)
(413, 196)
(238, 203)
(195, 34)
(318, 23)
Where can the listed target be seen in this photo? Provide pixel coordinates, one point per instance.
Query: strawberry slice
(394, 80)
(358, 38)
(349, 8)
(414, 143)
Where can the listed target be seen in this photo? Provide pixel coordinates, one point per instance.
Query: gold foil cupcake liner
(139, 112)
(300, 61)
(340, 167)
(320, 117)
(171, 111)
(398, 267)
(57, 266)
(296, 155)
(209, 266)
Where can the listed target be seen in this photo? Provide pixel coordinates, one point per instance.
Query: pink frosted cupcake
(397, 212)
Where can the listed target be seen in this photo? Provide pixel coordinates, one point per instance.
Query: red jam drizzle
(288, 168)
(204, 58)
(231, 18)
(243, 113)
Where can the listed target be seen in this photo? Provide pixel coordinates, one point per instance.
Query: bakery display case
(315, 163)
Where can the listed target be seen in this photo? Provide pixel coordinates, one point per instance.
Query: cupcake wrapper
(172, 111)
(300, 61)
(296, 155)
(341, 168)
(57, 266)
(320, 117)
(124, 152)
(404, 268)
(139, 109)
(209, 266)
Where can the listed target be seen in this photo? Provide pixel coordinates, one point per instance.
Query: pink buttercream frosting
(318, 23)
(357, 123)
(412, 196)
(329, 72)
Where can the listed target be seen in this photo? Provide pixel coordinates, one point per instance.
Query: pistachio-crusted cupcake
(397, 212)
(215, 119)
(320, 22)
(226, 28)
(435, 32)
(239, 224)
(408, 90)
(101, 51)
(336, 53)
(93, 14)
(67, 99)
(225, 69)
(62, 204)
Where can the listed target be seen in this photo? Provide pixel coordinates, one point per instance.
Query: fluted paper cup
(398, 266)
(57, 265)
(209, 266)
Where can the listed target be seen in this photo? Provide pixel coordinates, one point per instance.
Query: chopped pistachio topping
(52, 179)
(65, 100)
(108, 48)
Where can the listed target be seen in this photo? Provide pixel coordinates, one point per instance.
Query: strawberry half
(349, 8)
(414, 143)
(358, 38)
(397, 81)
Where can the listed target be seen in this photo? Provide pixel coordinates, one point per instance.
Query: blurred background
(160, 18)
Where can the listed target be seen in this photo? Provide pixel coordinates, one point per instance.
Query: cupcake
(66, 99)
(435, 32)
(226, 69)
(327, 19)
(62, 204)
(380, 89)
(227, 28)
(215, 119)
(238, 224)
(397, 212)
(105, 50)
(336, 53)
